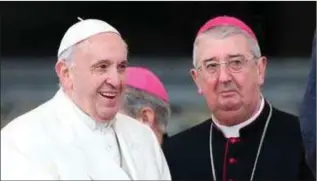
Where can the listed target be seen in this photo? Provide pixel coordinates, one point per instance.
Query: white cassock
(57, 141)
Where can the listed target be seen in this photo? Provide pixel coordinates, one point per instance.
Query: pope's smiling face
(96, 80)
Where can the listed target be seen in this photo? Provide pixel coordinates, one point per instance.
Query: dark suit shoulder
(285, 121)
(187, 138)
(290, 126)
(191, 133)
(285, 115)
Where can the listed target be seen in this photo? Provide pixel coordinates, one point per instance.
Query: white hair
(224, 32)
(67, 55)
(135, 99)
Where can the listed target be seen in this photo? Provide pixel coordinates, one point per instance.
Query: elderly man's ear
(194, 75)
(63, 73)
(147, 116)
(261, 66)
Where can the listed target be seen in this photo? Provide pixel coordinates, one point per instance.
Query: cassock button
(234, 140)
(232, 161)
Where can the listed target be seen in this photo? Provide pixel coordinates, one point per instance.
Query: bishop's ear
(261, 66)
(147, 116)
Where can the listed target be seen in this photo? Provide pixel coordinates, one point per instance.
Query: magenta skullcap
(145, 80)
(226, 21)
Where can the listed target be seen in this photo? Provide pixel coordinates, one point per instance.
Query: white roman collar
(234, 131)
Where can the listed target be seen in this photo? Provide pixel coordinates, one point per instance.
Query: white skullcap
(83, 30)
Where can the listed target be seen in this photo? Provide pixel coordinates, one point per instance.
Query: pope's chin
(107, 109)
(107, 113)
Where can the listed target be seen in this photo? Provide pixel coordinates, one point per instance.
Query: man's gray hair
(135, 99)
(224, 32)
(67, 55)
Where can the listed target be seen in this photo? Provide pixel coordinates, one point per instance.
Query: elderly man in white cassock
(78, 134)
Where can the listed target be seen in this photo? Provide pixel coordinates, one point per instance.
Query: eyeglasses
(234, 65)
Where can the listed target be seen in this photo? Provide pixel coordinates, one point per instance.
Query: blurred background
(160, 36)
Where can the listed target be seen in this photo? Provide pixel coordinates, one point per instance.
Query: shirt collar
(234, 131)
(85, 118)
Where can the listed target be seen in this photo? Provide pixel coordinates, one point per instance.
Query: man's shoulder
(194, 130)
(130, 122)
(134, 127)
(287, 122)
(191, 135)
(26, 126)
(284, 117)
(137, 133)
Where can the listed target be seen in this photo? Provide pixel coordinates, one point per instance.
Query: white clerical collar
(86, 119)
(234, 131)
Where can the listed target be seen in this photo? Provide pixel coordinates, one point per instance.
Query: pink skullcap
(229, 21)
(145, 80)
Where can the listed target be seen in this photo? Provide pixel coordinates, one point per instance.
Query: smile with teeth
(109, 95)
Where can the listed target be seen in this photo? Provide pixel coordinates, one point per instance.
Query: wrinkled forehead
(103, 46)
(213, 47)
(103, 40)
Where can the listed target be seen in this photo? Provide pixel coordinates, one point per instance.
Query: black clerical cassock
(269, 148)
